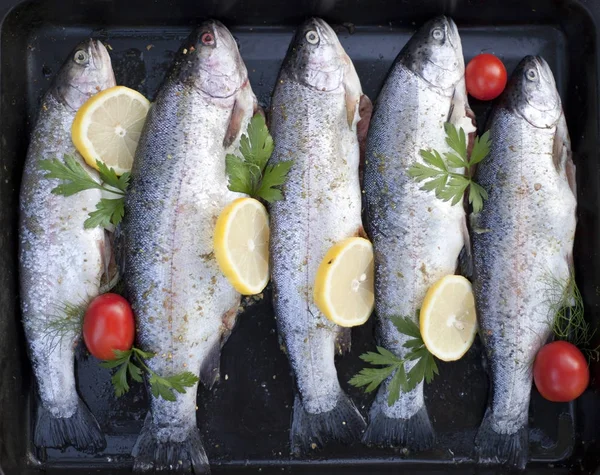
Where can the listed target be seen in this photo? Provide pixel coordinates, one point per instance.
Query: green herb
(437, 173)
(131, 364)
(568, 323)
(251, 174)
(108, 211)
(75, 179)
(390, 365)
(65, 321)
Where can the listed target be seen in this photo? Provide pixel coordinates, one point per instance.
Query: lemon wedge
(343, 288)
(448, 319)
(108, 127)
(242, 245)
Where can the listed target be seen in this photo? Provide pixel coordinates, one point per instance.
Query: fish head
(210, 60)
(316, 58)
(434, 53)
(86, 71)
(532, 93)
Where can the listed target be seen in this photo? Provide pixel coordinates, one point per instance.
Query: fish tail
(414, 433)
(81, 430)
(184, 453)
(493, 447)
(343, 423)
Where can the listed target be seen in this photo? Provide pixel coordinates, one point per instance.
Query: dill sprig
(66, 320)
(568, 314)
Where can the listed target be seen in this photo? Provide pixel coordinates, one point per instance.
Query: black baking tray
(245, 418)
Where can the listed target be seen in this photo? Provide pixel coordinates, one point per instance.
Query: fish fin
(257, 109)
(184, 454)
(362, 233)
(235, 123)
(109, 261)
(211, 366)
(81, 430)
(415, 433)
(365, 110)
(344, 423)
(343, 340)
(509, 449)
(562, 154)
(570, 169)
(465, 258)
(352, 95)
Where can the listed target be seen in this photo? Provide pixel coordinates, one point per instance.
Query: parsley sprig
(389, 365)
(76, 178)
(131, 364)
(437, 173)
(252, 173)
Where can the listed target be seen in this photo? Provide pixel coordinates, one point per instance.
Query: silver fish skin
(315, 110)
(522, 248)
(61, 263)
(184, 306)
(417, 238)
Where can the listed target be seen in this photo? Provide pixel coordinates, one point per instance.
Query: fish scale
(321, 206)
(522, 248)
(61, 263)
(184, 306)
(417, 238)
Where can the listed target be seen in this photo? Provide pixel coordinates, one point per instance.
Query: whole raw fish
(522, 248)
(314, 115)
(61, 263)
(417, 238)
(185, 308)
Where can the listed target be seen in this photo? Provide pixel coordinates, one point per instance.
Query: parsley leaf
(406, 326)
(239, 178)
(393, 367)
(108, 176)
(437, 174)
(373, 377)
(251, 174)
(75, 177)
(274, 176)
(109, 211)
(257, 146)
(131, 363)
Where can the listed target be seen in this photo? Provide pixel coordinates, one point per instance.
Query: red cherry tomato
(560, 372)
(485, 77)
(108, 325)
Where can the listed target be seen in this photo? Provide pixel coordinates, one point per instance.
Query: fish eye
(531, 74)
(437, 34)
(81, 57)
(207, 39)
(312, 37)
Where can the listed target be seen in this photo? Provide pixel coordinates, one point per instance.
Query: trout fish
(61, 263)
(417, 238)
(315, 111)
(522, 248)
(184, 306)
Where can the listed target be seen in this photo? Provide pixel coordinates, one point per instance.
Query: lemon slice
(242, 245)
(108, 127)
(344, 283)
(448, 318)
